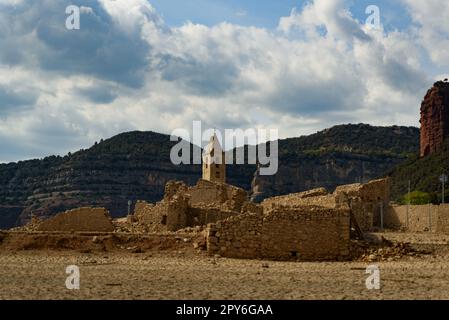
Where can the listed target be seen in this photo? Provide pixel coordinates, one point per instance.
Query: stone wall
(217, 194)
(428, 217)
(373, 191)
(201, 216)
(236, 237)
(318, 196)
(81, 219)
(185, 206)
(207, 193)
(154, 217)
(173, 187)
(142, 208)
(166, 215)
(363, 213)
(312, 233)
(176, 214)
(366, 201)
(283, 233)
(443, 218)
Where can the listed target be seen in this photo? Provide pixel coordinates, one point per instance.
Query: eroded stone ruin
(184, 206)
(306, 226)
(79, 220)
(311, 225)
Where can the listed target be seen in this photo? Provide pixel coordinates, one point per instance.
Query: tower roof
(213, 152)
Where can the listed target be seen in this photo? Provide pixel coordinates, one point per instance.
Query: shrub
(417, 197)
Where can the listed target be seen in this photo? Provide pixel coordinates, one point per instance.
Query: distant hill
(136, 165)
(339, 155)
(358, 138)
(423, 174)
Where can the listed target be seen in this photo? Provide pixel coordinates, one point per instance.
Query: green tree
(417, 197)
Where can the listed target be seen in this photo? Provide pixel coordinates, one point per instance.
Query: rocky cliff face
(434, 118)
(327, 170)
(136, 166)
(130, 166)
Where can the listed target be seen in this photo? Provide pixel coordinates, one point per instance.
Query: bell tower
(214, 167)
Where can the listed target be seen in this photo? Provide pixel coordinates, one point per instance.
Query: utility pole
(382, 216)
(408, 202)
(409, 192)
(443, 180)
(129, 207)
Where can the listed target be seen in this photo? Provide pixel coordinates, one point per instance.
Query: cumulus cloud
(333, 16)
(125, 69)
(96, 93)
(34, 35)
(432, 30)
(13, 100)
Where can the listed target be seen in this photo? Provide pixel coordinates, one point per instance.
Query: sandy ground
(177, 275)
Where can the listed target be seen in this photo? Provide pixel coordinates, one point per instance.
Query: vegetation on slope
(423, 174)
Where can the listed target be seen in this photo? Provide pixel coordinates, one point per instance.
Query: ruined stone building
(184, 206)
(214, 167)
(434, 118)
(308, 226)
(366, 202)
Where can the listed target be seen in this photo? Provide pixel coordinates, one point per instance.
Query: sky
(296, 66)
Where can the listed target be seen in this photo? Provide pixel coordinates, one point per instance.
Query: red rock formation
(434, 118)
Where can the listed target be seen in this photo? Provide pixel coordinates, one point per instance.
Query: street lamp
(443, 180)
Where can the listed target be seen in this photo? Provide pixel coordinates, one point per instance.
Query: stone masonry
(81, 219)
(301, 198)
(283, 233)
(366, 201)
(418, 218)
(184, 206)
(214, 167)
(308, 226)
